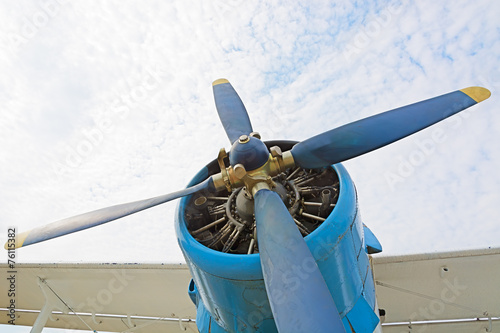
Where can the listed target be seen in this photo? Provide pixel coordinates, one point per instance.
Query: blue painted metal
(299, 297)
(372, 243)
(231, 287)
(369, 290)
(193, 292)
(340, 256)
(362, 318)
(357, 238)
(365, 135)
(232, 112)
(252, 154)
(204, 320)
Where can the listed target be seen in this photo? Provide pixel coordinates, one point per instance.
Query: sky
(111, 102)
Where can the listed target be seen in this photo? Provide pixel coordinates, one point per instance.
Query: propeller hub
(250, 152)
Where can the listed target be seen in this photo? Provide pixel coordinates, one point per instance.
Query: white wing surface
(102, 297)
(439, 292)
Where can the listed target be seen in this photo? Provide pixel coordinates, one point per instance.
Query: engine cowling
(228, 288)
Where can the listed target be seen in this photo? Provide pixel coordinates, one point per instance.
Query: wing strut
(52, 302)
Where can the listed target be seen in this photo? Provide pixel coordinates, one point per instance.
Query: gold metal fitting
(256, 135)
(261, 185)
(257, 182)
(239, 171)
(237, 176)
(244, 139)
(278, 161)
(222, 180)
(275, 151)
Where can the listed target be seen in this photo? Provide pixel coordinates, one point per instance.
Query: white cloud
(88, 69)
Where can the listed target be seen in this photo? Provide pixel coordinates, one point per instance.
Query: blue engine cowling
(229, 291)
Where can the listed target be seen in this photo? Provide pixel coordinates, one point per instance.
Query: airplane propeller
(232, 112)
(365, 135)
(298, 304)
(281, 245)
(100, 216)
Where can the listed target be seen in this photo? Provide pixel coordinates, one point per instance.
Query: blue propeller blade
(232, 112)
(371, 133)
(101, 216)
(298, 294)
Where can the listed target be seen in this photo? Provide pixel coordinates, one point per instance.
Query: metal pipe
(318, 218)
(208, 226)
(217, 198)
(250, 247)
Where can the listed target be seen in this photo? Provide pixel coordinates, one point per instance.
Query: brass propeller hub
(237, 175)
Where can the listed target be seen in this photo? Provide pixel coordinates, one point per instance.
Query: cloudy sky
(110, 102)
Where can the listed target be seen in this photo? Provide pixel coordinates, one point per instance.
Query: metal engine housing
(228, 288)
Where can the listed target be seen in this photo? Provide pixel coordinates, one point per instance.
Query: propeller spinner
(252, 166)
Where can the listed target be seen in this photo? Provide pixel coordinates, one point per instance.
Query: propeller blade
(232, 112)
(100, 216)
(298, 294)
(371, 133)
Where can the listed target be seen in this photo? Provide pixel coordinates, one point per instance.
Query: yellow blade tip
(219, 81)
(478, 94)
(20, 238)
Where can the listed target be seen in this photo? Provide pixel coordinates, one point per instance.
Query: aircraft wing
(439, 292)
(105, 297)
